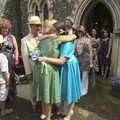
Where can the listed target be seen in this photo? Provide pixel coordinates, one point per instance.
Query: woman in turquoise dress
(70, 74)
(70, 80)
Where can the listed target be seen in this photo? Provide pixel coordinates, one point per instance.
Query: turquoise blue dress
(70, 75)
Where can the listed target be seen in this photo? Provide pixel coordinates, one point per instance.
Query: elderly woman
(10, 40)
(11, 51)
(70, 75)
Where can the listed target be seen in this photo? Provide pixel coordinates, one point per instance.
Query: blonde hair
(48, 25)
(5, 23)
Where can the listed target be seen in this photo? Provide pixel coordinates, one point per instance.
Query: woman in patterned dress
(95, 41)
(84, 55)
(95, 48)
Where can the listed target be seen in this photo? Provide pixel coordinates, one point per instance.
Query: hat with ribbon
(34, 20)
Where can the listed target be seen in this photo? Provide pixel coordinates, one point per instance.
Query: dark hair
(59, 25)
(68, 24)
(103, 30)
(75, 31)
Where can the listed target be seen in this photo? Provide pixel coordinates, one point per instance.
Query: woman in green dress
(46, 86)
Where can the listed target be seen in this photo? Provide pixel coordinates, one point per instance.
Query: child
(4, 79)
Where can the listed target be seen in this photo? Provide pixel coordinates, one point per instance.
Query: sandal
(68, 117)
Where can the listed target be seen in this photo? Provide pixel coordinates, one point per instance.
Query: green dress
(46, 82)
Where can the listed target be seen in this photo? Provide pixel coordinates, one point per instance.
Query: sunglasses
(36, 25)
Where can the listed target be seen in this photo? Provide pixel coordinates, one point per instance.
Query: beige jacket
(27, 40)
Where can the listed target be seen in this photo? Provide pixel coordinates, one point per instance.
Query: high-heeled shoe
(68, 117)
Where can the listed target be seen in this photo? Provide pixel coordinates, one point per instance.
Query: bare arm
(57, 61)
(4, 69)
(109, 48)
(16, 52)
(90, 49)
(66, 38)
(62, 38)
(6, 78)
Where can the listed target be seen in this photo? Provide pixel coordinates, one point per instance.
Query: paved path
(91, 107)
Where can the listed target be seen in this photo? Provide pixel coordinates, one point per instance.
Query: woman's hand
(41, 59)
(91, 65)
(7, 84)
(16, 61)
(107, 56)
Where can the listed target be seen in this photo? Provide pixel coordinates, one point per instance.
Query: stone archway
(111, 5)
(98, 16)
(114, 9)
(33, 7)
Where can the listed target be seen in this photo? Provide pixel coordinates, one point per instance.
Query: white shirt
(3, 67)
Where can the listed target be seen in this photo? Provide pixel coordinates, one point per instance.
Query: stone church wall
(24, 16)
(19, 10)
(60, 10)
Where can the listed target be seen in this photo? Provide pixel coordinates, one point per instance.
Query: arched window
(36, 11)
(46, 12)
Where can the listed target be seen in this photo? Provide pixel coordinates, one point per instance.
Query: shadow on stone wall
(62, 8)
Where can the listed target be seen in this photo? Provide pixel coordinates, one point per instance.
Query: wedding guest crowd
(57, 60)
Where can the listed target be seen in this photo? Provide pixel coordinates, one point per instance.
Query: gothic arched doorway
(86, 7)
(98, 16)
(46, 12)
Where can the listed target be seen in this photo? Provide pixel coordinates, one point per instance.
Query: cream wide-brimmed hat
(34, 20)
(1, 39)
